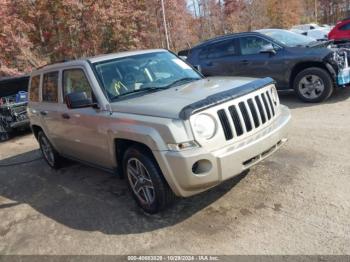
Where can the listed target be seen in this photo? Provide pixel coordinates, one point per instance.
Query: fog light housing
(201, 167)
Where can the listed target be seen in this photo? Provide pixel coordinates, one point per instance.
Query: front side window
(252, 45)
(34, 88)
(140, 73)
(50, 87)
(74, 80)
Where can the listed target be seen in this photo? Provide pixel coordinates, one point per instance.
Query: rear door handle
(65, 116)
(43, 113)
(244, 62)
(209, 64)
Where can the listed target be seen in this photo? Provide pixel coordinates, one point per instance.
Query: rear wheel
(145, 180)
(4, 134)
(49, 153)
(313, 85)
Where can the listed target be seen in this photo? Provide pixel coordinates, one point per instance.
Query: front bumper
(226, 162)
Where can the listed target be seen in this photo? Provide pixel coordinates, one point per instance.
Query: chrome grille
(247, 115)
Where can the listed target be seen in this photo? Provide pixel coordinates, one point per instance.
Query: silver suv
(157, 121)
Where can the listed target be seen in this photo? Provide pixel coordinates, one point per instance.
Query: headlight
(274, 95)
(204, 126)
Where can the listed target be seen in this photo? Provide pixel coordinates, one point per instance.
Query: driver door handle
(43, 113)
(244, 62)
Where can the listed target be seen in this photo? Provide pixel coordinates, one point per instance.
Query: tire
(150, 200)
(51, 156)
(4, 134)
(313, 85)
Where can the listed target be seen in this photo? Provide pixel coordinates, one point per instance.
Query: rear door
(219, 58)
(50, 108)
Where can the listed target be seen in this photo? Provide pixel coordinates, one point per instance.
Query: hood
(170, 102)
(317, 51)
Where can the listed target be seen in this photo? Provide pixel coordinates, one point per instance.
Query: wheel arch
(35, 130)
(120, 147)
(304, 65)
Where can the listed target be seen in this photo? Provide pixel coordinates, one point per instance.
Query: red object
(341, 31)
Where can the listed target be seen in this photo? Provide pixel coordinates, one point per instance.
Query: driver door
(83, 136)
(255, 63)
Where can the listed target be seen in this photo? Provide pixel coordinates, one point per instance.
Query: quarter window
(50, 87)
(74, 80)
(252, 45)
(34, 88)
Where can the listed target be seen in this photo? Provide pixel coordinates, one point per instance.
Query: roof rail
(56, 62)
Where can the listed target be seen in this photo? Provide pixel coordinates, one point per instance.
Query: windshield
(141, 73)
(288, 38)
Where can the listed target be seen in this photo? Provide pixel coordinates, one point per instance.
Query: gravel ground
(295, 202)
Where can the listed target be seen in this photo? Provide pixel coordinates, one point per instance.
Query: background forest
(36, 32)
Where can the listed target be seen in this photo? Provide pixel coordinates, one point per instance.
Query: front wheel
(313, 85)
(145, 180)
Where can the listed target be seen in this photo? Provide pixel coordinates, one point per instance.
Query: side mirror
(78, 100)
(269, 49)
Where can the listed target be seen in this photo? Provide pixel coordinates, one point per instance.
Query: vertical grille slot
(225, 124)
(270, 101)
(266, 106)
(236, 121)
(245, 115)
(254, 113)
(261, 110)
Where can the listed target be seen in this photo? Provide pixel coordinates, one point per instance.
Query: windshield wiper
(185, 79)
(145, 89)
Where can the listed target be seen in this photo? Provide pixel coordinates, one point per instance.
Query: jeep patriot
(152, 118)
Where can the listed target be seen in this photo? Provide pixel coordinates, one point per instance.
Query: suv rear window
(50, 87)
(217, 50)
(34, 88)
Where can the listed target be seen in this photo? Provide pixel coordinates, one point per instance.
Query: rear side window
(345, 27)
(217, 50)
(50, 87)
(74, 80)
(34, 88)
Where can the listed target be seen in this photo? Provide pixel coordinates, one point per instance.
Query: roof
(99, 58)
(223, 37)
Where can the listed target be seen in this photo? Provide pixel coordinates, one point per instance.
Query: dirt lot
(296, 202)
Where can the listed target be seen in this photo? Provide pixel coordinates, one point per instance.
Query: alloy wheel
(140, 181)
(311, 86)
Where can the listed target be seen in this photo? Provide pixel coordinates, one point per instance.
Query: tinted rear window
(217, 50)
(34, 88)
(50, 87)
